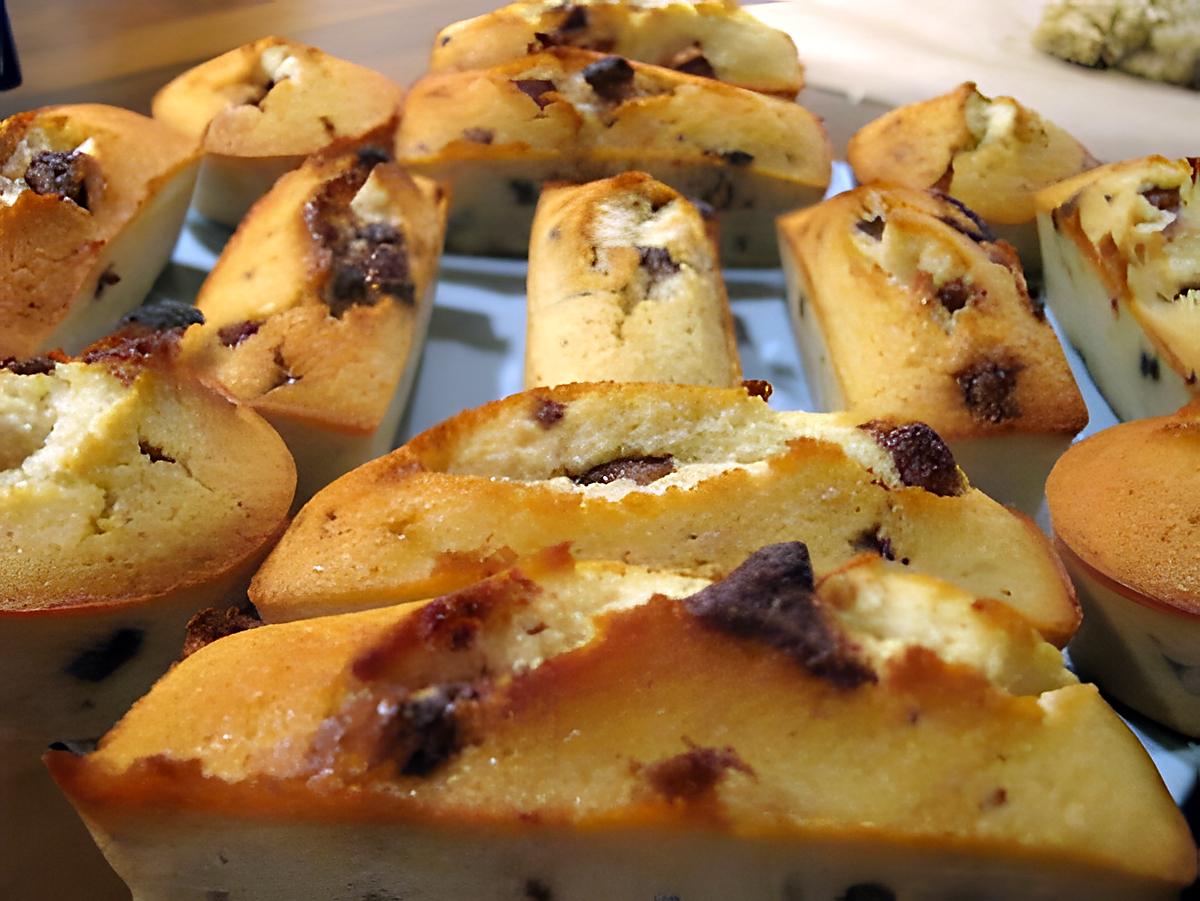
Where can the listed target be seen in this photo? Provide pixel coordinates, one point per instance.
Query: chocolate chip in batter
(921, 457)
(428, 728)
(103, 658)
(236, 332)
(611, 78)
(59, 173)
(872, 228)
(694, 773)
(769, 598)
(536, 90)
(692, 61)
(640, 470)
(479, 135)
(988, 389)
(657, 262)
(549, 413)
(215, 623)
(43, 365)
(955, 294)
(1165, 199)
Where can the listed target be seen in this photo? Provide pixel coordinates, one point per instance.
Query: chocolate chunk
(988, 390)
(479, 135)
(165, 314)
(236, 332)
(536, 890)
(641, 470)
(871, 227)
(955, 294)
(427, 727)
(107, 279)
(759, 388)
(979, 234)
(59, 173)
(524, 191)
(154, 452)
(127, 352)
(209, 625)
(611, 78)
(32, 366)
(549, 413)
(769, 598)
(737, 157)
(372, 155)
(921, 456)
(1165, 199)
(692, 61)
(536, 89)
(1148, 365)
(80, 747)
(576, 18)
(362, 262)
(694, 773)
(657, 262)
(868, 891)
(874, 541)
(99, 661)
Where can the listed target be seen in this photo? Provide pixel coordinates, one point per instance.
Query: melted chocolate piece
(549, 413)
(59, 173)
(769, 598)
(236, 332)
(371, 155)
(611, 78)
(1149, 368)
(921, 456)
(657, 262)
(641, 470)
(99, 661)
(1165, 199)
(979, 234)
(872, 227)
(988, 389)
(363, 262)
(154, 452)
(760, 388)
(692, 62)
(954, 295)
(212, 624)
(428, 728)
(737, 157)
(694, 773)
(107, 279)
(536, 90)
(876, 542)
(32, 366)
(165, 314)
(479, 135)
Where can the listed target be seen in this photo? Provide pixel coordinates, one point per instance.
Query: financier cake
(92, 198)
(906, 305)
(1125, 506)
(992, 153)
(1122, 251)
(672, 476)
(316, 311)
(625, 285)
(710, 38)
(495, 135)
(260, 109)
(601, 731)
(130, 498)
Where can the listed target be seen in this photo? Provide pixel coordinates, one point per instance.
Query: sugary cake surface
(121, 478)
(887, 706)
(311, 309)
(712, 38)
(993, 154)
(924, 315)
(587, 105)
(276, 97)
(71, 178)
(624, 284)
(1137, 225)
(1127, 502)
(672, 476)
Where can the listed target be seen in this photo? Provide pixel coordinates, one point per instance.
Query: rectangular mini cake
(318, 307)
(624, 285)
(905, 305)
(1123, 278)
(496, 135)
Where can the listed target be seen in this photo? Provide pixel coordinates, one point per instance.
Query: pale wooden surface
(121, 51)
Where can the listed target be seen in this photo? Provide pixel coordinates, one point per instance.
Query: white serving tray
(476, 348)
